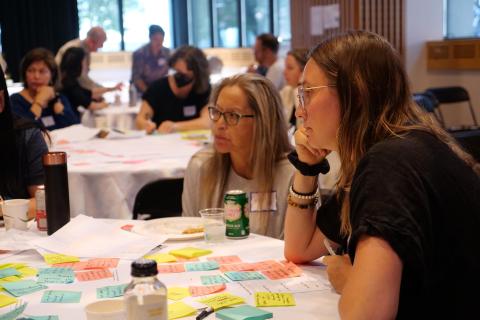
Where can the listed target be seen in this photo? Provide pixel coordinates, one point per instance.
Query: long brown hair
(375, 102)
(270, 139)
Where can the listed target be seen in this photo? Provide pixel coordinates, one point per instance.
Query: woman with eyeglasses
(407, 208)
(177, 102)
(22, 145)
(249, 153)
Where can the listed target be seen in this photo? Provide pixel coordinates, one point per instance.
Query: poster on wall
(324, 17)
(316, 20)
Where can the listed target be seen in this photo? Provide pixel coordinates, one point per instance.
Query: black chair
(159, 199)
(448, 95)
(430, 104)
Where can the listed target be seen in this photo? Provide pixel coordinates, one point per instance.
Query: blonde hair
(375, 103)
(270, 140)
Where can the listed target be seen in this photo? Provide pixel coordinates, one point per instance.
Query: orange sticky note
(102, 263)
(244, 266)
(171, 268)
(197, 291)
(74, 265)
(95, 274)
(292, 268)
(266, 265)
(225, 259)
(278, 273)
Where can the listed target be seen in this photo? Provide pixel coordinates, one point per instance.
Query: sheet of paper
(55, 275)
(53, 258)
(292, 285)
(39, 318)
(14, 313)
(92, 275)
(244, 266)
(274, 299)
(331, 16)
(88, 237)
(7, 272)
(177, 293)
(75, 133)
(215, 279)
(190, 252)
(244, 275)
(111, 291)
(59, 296)
(171, 268)
(225, 259)
(20, 288)
(17, 240)
(222, 300)
(197, 291)
(202, 266)
(180, 310)
(6, 300)
(161, 257)
(242, 313)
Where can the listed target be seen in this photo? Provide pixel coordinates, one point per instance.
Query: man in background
(150, 62)
(269, 65)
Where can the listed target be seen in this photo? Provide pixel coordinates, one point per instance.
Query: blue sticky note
(14, 313)
(9, 272)
(111, 291)
(215, 279)
(245, 312)
(39, 318)
(56, 275)
(20, 288)
(59, 296)
(242, 276)
(202, 266)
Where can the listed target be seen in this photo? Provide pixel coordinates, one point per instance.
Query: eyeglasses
(231, 118)
(304, 97)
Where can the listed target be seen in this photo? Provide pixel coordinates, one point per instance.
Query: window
(200, 21)
(227, 23)
(137, 16)
(257, 13)
(462, 18)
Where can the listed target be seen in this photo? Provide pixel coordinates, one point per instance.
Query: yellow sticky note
(222, 300)
(190, 252)
(179, 310)
(28, 271)
(177, 293)
(53, 258)
(271, 299)
(12, 265)
(6, 300)
(161, 257)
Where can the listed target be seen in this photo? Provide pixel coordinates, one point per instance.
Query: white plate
(171, 227)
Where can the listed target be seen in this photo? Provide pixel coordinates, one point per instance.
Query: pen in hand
(205, 313)
(329, 247)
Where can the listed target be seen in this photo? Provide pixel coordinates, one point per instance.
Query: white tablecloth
(309, 305)
(106, 174)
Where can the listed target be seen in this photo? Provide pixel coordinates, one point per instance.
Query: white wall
(424, 22)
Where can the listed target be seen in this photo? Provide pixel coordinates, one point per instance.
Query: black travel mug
(57, 201)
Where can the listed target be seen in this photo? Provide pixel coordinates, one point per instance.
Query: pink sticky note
(76, 266)
(225, 259)
(196, 291)
(292, 268)
(91, 275)
(127, 227)
(244, 266)
(171, 268)
(279, 273)
(266, 265)
(102, 263)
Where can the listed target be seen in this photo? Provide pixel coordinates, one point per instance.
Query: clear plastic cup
(213, 224)
(106, 310)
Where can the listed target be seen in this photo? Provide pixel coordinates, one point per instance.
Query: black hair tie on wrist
(305, 169)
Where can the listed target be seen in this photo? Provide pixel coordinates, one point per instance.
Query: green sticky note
(111, 291)
(56, 275)
(202, 266)
(39, 318)
(59, 296)
(215, 279)
(242, 276)
(7, 272)
(20, 288)
(245, 312)
(14, 313)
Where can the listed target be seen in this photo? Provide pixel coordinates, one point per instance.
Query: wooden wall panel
(385, 17)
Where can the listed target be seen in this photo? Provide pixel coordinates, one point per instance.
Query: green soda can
(236, 214)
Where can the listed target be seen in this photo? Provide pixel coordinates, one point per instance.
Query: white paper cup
(106, 310)
(15, 213)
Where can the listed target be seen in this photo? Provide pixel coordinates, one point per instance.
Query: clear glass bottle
(145, 297)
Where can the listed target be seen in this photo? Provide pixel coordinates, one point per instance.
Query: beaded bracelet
(294, 204)
(303, 196)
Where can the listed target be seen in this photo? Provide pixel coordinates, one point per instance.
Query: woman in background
(74, 64)
(249, 153)
(177, 102)
(39, 99)
(22, 146)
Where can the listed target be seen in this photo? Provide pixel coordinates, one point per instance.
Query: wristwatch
(306, 169)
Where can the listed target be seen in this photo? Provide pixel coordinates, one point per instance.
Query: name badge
(257, 205)
(161, 62)
(48, 121)
(189, 111)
